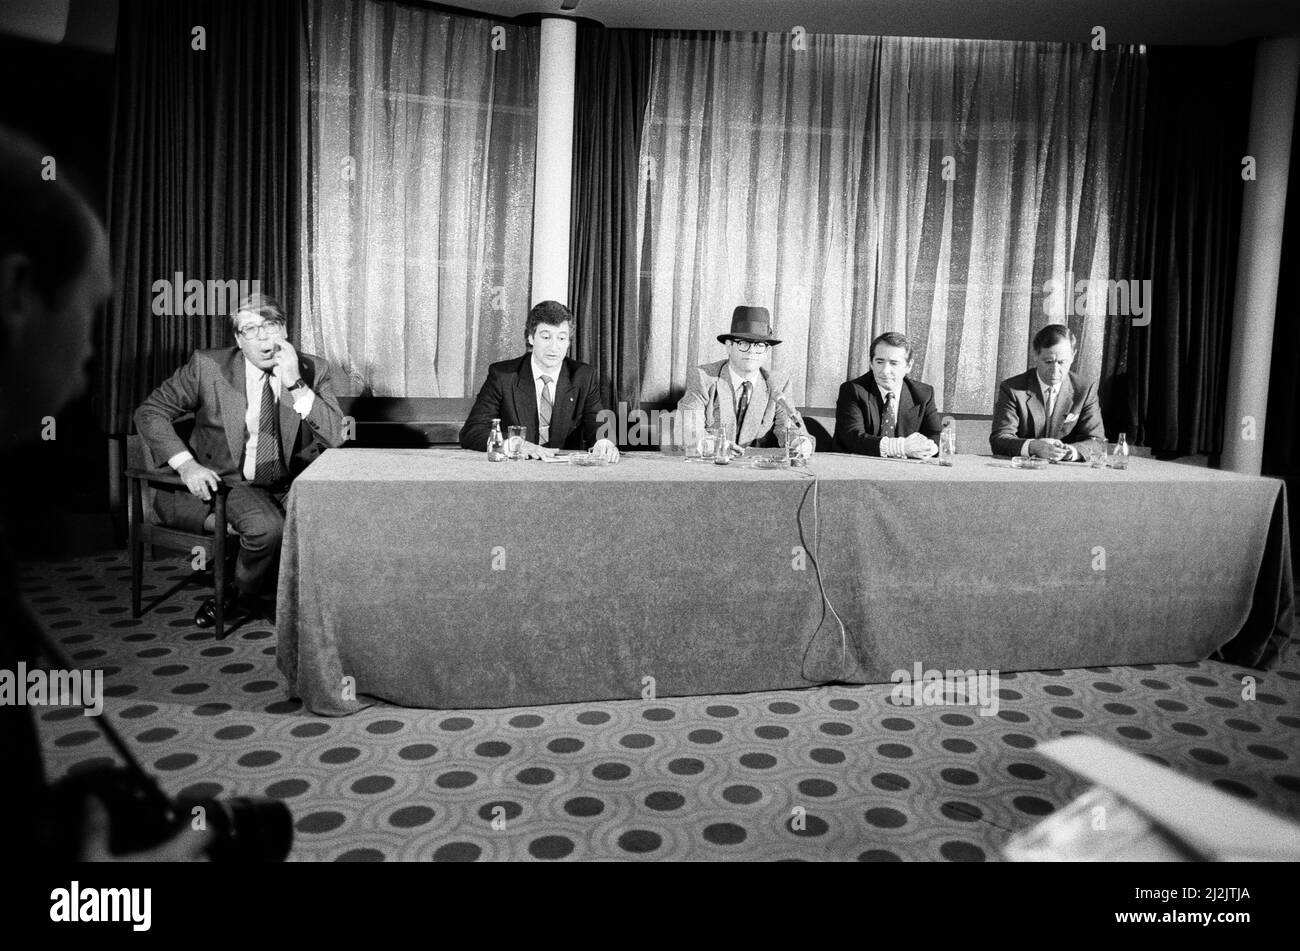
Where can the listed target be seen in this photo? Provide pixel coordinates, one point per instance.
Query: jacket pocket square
(1071, 418)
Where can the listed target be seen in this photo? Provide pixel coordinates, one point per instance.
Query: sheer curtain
(865, 184)
(418, 131)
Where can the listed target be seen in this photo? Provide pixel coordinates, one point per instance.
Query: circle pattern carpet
(827, 773)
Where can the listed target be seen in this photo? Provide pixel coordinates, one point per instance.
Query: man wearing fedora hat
(739, 392)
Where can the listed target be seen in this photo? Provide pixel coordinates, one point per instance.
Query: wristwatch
(294, 386)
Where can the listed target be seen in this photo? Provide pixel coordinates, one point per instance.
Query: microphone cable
(814, 554)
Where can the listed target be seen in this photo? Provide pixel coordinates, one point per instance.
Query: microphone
(790, 411)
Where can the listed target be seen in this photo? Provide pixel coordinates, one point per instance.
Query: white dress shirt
(738, 385)
(253, 376)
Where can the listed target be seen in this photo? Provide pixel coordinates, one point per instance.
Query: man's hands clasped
(1052, 449)
(919, 446)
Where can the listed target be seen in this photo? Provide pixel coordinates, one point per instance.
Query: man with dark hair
(1046, 411)
(739, 393)
(884, 412)
(552, 396)
(54, 277)
(262, 412)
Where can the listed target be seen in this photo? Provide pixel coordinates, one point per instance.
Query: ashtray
(1028, 462)
(771, 462)
(587, 460)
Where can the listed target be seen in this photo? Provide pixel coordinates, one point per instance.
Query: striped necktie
(270, 469)
(544, 412)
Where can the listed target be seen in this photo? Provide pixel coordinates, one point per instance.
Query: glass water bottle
(496, 445)
(1120, 458)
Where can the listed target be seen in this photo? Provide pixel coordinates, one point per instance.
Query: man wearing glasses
(262, 412)
(739, 392)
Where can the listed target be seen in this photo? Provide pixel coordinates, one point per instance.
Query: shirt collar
(538, 372)
(737, 380)
(1046, 387)
(253, 372)
(880, 386)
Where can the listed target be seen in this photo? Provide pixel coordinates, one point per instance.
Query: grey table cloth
(434, 578)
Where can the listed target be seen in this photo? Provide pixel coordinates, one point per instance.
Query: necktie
(270, 469)
(743, 407)
(1051, 408)
(544, 412)
(891, 416)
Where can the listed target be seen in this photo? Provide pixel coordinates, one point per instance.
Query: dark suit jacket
(211, 386)
(1021, 414)
(510, 394)
(860, 409)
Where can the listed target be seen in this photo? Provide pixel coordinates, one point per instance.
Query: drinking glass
(708, 441)
(515, 443)
(947, 447)
(692, 428)
(1097, 452)
(670, 431)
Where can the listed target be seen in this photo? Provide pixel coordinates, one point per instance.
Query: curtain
(855, 185)
(612, 85)
(1178, 227)
(1281, 435)
(419, 132)
(202, 175)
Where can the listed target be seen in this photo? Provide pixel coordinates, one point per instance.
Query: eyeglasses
(250, 331)
(758, 346)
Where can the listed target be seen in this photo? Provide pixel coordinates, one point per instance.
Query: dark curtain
(612, 87)
(203, 176)
(1281, 434)
(1165, 383)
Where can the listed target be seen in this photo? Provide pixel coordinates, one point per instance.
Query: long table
(434, 578)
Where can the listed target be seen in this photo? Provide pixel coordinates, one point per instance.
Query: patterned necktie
(891, 416)
(270, 469)
(1051, 407)
(544, 412)
(743, 407)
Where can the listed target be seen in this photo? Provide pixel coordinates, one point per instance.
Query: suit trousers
(256, 513)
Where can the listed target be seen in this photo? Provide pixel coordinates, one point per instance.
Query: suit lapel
(526, 398)
(562, 406)
(726, 401)
(906, 410)
(234, 405)
(875, 406)
(289, 423)
(1037, 408)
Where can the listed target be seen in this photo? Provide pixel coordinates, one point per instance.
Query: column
(554, 175)
(1259, 253)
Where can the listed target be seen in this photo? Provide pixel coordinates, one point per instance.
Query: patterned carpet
(833, 773)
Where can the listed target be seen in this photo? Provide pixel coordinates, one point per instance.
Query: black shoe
(206, 616)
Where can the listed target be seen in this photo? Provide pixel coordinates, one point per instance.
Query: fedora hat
(750, 323)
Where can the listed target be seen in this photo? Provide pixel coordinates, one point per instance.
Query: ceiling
(1161, 22)
(91, 24)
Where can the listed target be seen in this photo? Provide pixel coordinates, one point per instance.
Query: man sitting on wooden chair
(262, 412)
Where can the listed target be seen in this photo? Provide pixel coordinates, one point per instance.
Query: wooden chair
(145, 477)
